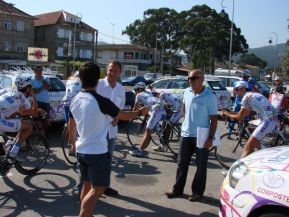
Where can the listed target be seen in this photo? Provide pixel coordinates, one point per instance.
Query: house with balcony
(135, 59)
(66, 36)
(16, 35)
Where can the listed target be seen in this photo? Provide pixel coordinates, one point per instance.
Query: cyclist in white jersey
(262, 107)
(73, 86)
(157, 113)
(14, 102)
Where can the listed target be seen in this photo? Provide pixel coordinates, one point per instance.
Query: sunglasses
(193, 78)
(240, 88)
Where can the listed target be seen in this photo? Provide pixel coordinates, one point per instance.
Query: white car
(257, 185)
(178, 85)
(56, 91)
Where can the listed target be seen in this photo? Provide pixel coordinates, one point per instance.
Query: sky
(259, 20)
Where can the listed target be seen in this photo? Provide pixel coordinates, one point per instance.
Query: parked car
(257, 185)
(56, 91)
(178, 85)
(151, 77)
(131, 81)
(228, 82)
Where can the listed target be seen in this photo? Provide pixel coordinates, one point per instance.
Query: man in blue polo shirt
(200, 109)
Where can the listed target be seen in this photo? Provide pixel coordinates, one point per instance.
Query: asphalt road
(141, 183)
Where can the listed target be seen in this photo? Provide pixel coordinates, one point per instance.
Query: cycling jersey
(73, 86)
(157, 112)
(259, 104)
(11, 100)
(175, 103)
(279, 101)
(171, 99)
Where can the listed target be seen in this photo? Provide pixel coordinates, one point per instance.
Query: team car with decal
(257, 185)
(56, 91)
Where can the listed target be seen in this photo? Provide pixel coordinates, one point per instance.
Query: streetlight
(270, 42)
(74, 37)
(231, 35)
(112, 32)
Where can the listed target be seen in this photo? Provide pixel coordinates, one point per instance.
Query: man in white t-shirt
(91, 112)
(111, 89)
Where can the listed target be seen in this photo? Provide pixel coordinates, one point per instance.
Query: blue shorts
(95, 168)
(66, 111)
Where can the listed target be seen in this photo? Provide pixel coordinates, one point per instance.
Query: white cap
(241, 84)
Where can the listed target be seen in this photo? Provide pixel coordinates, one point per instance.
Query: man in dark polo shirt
(90, 112)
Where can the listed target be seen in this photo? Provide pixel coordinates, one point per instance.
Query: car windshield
(56, 85)
(216, 85)
(131, 78)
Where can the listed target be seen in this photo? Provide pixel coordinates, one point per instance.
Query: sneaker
(71, 153)
(136, 153)
(172, 194)
(110, 192)
(224, 172)
(160, 148)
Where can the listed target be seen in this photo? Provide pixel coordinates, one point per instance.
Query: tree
(204, 35)
(252, 59)
(285, 64)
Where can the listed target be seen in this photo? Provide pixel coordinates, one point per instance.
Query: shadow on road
(41, 194)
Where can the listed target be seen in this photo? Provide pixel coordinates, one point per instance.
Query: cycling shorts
(155, 117)
(10, 125)
(265, 127)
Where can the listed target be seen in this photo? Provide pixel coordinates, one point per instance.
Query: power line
(110, 36)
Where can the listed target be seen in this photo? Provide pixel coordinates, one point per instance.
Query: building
(16, 35)
(135, 59)
(65, 36)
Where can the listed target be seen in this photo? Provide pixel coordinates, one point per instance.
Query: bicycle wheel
(66, 147)
(135, 131)
(230, 149)
(272, 140)
(34, 152)
(175, 137)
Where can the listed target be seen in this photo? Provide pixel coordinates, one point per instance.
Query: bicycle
(34, 151)
(229, 152)
(136, 129)
(66, 146)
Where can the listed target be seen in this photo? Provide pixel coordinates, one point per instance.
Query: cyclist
(157, 113)
(261, 106)
(14, 102)
(73, 86)
(277, 82)
(175, 103)
(278, 99)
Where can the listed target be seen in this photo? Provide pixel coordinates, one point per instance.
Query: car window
(5, 82)
(179, 84)
(232, 81)
(161, 84)
(216, 85)
(56, 85)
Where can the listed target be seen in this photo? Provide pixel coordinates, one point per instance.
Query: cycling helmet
(277, 78)
(22, 83)
(140, 86)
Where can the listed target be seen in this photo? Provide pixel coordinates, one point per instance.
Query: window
(63, 33)
(216, 85)
(20, 26)
(7, 24)
(7, 45)
(60, 51)
(179, 84)
(161, 84)
(136, 55)
(128, 55)
(86, 36)
(56, 85)
(20, 47)
(5, 82)
(87, 54)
